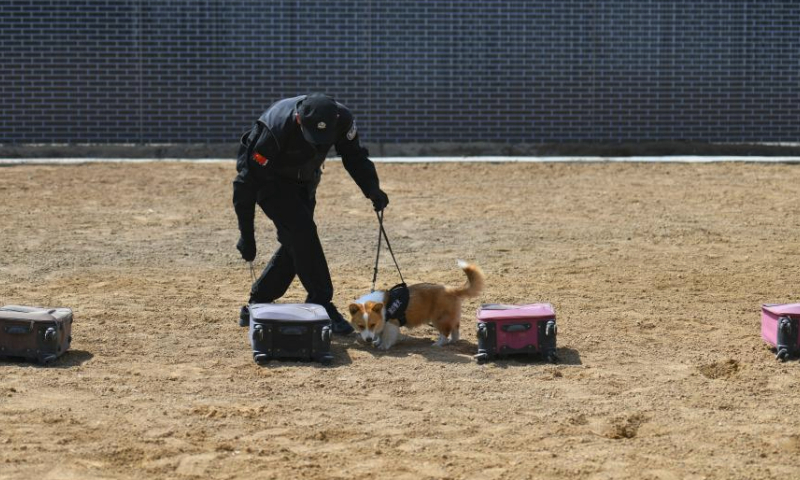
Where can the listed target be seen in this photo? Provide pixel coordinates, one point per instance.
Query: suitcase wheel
(552, 357)
(261, 358)
(782, 355)
(481, 358)
(47, 360)
(326, 360)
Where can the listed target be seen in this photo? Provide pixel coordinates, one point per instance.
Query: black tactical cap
(318, 116)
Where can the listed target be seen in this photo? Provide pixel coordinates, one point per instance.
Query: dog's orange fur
(428, 303)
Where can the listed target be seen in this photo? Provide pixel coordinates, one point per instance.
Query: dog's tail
(475, 280)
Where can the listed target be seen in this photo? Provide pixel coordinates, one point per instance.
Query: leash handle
(389, 246)
(252, 271)
(377, 255)
(382, 231)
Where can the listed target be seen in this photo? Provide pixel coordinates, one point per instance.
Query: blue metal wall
(152, 71)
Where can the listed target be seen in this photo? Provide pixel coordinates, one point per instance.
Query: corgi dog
(377, 319)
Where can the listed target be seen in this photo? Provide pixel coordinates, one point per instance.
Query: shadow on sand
(458, 352)
(70, 359)
(565, 356)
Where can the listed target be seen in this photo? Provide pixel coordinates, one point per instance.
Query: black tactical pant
(290, 206)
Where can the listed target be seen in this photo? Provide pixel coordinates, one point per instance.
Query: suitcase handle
(326, 334)
(292, 330)
(516, 327)
(50, 334)
(551, 329)
(19, 329)
(258, 333)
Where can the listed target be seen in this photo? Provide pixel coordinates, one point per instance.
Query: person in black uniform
(279, 167)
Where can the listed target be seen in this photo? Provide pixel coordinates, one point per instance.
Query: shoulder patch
(265, 148)
(351, 134)
(260, 159)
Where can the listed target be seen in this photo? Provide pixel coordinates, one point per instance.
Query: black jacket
(277, 137)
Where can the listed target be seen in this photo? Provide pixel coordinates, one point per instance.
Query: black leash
(382, 233)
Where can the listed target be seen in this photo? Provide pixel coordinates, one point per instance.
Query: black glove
(247, 247)
(379, 199)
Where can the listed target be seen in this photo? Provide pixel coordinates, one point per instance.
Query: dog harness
(397, 303)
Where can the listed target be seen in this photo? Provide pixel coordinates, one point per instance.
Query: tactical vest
(397, 303)
(280, 142)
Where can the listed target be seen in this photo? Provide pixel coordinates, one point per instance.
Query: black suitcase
(41, 334)
(291, 331)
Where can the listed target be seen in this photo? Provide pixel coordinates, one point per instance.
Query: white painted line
(80, 161)
(550, 159)
(580, 159)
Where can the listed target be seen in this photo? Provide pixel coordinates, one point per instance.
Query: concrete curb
(488, 159)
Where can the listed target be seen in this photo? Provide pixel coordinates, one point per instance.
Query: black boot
(339, 325)
(244, 316)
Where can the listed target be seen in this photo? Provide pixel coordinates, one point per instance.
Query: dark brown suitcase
(41, 334)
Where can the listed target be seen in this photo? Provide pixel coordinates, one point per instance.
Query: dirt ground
(656, 271)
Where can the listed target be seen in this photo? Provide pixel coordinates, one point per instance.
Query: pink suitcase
(516, 329)
(779, 328)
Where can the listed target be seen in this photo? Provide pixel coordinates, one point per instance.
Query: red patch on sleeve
(261, 159)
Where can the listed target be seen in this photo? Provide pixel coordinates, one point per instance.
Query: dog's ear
(377, 308)
(354, 308)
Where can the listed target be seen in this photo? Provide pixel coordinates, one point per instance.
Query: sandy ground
(657, 273)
